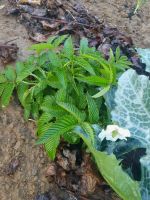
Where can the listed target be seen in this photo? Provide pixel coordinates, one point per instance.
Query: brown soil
(22, 164)
(116, 13)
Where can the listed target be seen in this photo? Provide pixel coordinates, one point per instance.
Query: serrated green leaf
(94, 80)
(2, 78)
(19, 67)
(92, 109)
(21, 89)
(41, 47)
(81, 99)
(49, 105)
(2, 86)
(73, 110)
(39, 97)
(35, 110)
(44, 118)
(59, 40)
(27, 97)
(89, 131)
(111, 56)
(61, 126)
(69, 48)
(74, 84)
(51, 145)
(27, 111)
(117, 53)
(61, 95)
(40, 86)
(10, 74)
(48, 101)
(83, 45)
(53, 81)
(7, 93)
(51, 39)
(25, 72)
(55, 60)
(85, 65)
(62, 77)
(71, 137)
(43, 128)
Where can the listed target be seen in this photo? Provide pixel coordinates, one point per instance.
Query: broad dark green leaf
(111, 170)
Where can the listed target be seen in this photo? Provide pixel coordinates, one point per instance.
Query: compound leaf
(61, 126)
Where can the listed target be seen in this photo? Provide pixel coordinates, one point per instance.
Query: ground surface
(116, 14)
(23, 165)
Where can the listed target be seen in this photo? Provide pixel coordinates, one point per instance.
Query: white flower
(114, 132)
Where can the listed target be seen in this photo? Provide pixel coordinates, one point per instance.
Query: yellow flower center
(114, 133)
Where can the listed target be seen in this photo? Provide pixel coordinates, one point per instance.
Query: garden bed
(23, 172)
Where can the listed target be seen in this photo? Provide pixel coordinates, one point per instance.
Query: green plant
(139, 4)
(57, 85)
(62, 89)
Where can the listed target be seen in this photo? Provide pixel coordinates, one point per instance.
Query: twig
(46, 18)
(8, 46)
(11, 40)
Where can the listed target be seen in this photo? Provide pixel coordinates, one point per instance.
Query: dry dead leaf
(38, 37)
(88, 183)
(50, 26)
(8, 53)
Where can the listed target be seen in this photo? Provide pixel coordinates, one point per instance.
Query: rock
(42, 197)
